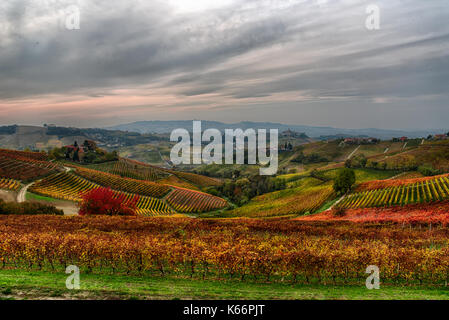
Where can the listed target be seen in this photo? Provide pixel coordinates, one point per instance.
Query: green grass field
(32, 196)
(22, 284)
(363, 175)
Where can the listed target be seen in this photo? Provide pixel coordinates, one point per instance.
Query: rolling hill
(127, 178)
(311, 131)
(308, 171)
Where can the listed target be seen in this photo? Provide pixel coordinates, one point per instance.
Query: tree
(344, 181)
(104, 201)
(89, 157)
(76, 156)
(363, 161)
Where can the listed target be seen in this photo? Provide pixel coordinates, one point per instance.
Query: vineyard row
(419, 192)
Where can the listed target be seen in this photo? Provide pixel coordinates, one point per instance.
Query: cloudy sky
(295, 61)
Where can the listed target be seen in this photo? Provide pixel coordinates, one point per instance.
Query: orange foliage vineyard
(275, 250)
(435, 213)
(20, 165)
(189, 201)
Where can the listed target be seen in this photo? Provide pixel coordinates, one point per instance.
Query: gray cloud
(264, 58)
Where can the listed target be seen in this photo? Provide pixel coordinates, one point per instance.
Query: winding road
(21, 196)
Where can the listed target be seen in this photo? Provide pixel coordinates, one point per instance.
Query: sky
(307, 62)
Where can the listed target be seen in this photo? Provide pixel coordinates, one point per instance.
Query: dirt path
(68, 208)
(352, 153)
(339, 200)
(396, 176)
(21, 196)
(167, 164)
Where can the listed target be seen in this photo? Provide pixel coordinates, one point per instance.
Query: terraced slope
(189, 201)
(24, 154)
(15, 165)
(67, 186)
(421, 191)
(196, 179)
(9, 184)
(309, 195)
(115, 182)
(431, 153)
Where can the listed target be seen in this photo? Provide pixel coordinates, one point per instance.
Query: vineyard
(24, 169)
(133, 169)
(289, 202)
(66, 186)
(9, 184)
(196, 179)
(189, 201)
(136, 170)
(425, 190)
(435, 213)
(382, 184)
(275, 250)
(14, 154)
(115, 182)
(434, 154)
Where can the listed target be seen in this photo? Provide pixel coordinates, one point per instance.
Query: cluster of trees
(287, 146)
(242, 190)
(428, 170)
(359, 161)
(90, 153)
(28, 208)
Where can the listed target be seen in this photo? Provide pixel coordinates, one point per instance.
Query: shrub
(104, 201)
(428, 171)
(338, 211)
(28, 208)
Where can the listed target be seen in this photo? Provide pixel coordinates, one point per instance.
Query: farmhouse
(74, 152)
(441, 137)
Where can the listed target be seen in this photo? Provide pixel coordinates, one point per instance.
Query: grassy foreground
(23, 284)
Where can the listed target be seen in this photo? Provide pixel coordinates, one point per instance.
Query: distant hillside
(45, 138)
(314, 132)
(34, 138)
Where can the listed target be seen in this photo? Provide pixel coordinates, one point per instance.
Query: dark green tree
(344, 181)
(76, 156)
